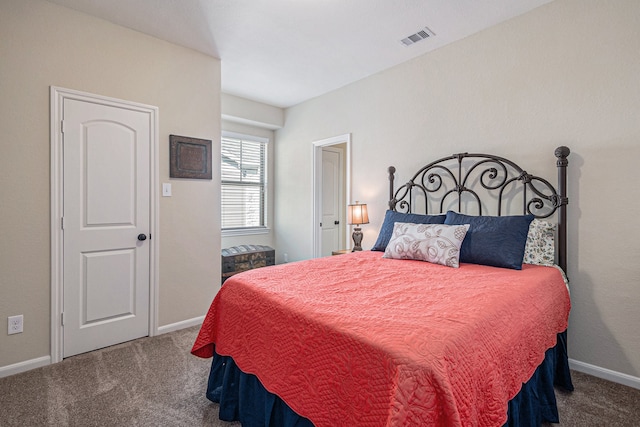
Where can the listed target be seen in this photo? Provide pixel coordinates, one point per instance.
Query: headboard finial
(562, 153)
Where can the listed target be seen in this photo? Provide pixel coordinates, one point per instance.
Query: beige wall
(42, 44)
(255, 114)
(567, 73)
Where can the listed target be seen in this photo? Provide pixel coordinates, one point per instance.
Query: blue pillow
(498, 241)
(391, 217)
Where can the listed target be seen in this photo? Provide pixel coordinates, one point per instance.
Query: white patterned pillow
(434, 243)
(540, 247)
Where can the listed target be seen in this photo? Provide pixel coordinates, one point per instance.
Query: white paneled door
(332, 196)
(106, 225)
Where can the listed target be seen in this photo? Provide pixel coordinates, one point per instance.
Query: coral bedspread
(357, 339)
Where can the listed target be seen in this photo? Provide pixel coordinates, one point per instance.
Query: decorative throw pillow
(391, 217)
(493, 240)
(540, 247)
(434, 243)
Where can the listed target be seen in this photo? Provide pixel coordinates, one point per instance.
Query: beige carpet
(156, 382)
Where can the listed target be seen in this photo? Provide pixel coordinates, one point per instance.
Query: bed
(453, 319)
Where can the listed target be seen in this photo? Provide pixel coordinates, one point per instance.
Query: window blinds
(243, 183)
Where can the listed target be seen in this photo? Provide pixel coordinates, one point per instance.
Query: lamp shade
(357, 214)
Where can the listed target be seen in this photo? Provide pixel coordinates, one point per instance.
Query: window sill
(245, 231)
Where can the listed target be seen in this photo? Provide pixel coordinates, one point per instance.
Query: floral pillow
(434, 243)
(540, 247)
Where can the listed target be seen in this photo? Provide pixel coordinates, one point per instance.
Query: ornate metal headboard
(460, 180)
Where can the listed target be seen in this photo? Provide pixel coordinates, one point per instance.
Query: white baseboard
(27, 365)
(196, 321)
(604, 373)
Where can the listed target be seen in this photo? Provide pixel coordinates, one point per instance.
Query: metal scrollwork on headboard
(462, 180)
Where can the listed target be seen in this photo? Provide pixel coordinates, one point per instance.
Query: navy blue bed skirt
(243, 398)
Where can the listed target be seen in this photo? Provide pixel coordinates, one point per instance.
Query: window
(244, 182)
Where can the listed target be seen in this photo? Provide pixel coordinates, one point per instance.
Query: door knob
(142, 237)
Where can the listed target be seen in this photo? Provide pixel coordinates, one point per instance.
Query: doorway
(104, 221)
(328, 207)
(333, 200)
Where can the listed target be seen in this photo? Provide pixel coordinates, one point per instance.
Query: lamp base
(357, 239)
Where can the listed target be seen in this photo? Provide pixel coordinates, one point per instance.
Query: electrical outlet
(15, 324)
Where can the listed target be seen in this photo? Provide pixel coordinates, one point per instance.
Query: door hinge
(62, 223)
(62, 318)
(62, 126)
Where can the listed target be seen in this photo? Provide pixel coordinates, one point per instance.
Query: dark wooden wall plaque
(189, 157)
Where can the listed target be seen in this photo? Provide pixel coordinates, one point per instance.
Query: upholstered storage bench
(237, 259)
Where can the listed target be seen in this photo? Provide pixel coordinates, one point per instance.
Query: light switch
(166, 189)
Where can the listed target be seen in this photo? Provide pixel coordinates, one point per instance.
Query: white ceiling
(283, 52)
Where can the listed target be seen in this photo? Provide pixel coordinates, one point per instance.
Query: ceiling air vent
(424, 33)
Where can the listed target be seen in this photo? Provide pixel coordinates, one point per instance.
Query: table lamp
(357, 215)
